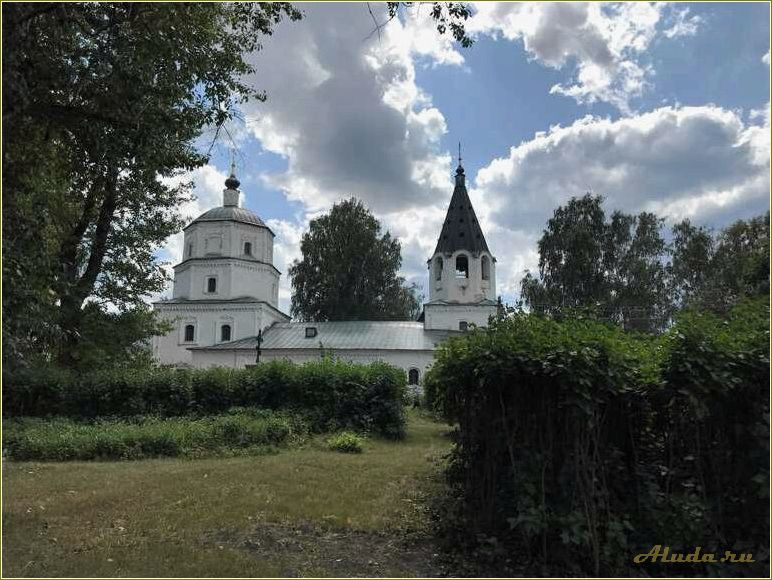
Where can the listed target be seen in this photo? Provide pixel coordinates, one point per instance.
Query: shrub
(64, 439)
(579, 444)
(346, 442)
(331, 394)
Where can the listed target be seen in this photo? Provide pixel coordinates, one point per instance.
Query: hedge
(331, 394)
(579, 445)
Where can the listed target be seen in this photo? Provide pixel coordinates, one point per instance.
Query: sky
(657, 107)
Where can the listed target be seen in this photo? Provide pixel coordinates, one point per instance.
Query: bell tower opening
(462, 267)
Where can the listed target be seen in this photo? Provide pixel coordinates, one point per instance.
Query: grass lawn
(302, 512)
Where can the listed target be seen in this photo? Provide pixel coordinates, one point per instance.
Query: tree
(613, 268)
(714, 273)
(689, 273)
(349, 270)
(100, 102)
(742, 257)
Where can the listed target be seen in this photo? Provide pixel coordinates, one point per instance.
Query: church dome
(230, 213)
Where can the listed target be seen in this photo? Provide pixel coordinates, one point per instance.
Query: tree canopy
(623, 270)
(349, 270)
(101, 102)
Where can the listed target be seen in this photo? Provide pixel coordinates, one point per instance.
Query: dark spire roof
(461, 230)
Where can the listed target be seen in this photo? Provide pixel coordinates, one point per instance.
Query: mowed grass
(304, 512)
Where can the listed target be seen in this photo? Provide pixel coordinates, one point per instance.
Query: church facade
(224, 305)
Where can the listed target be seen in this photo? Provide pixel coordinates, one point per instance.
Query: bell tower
(462, 270)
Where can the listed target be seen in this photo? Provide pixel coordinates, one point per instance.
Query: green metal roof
(230, 213)
(344, 335)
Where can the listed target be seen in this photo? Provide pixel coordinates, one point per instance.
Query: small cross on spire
(232, 182)
(459, 153)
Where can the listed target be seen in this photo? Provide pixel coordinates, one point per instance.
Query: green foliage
(714, 272)
(579, 444)
(621, 270)
(349, 270)
(613, 267)
(64, 439)
(331, 394)
(346, 442)
(103, 100)
(449, 17)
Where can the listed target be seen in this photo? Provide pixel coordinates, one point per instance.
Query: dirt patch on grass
(307, 550)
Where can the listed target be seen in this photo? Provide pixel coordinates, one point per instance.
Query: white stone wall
(226, 239)
(216, 250)
(235, 278)
(404, 359)
(449, 316)
(244, 319)
(452, 289)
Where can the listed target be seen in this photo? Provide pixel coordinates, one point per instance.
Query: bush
(579, 444)
(346, 442)
(331, 394)
(64, 439)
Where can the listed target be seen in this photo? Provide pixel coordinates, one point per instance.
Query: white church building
(224, 303)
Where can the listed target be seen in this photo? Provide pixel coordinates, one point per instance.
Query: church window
(190, 333)
(460, 234)
(463, 325)
(190, 250)
(211, 285)
(248, 248)
(438, 268)
(310, 331)
(412, 377)
(225, 332)
(486, 268)
(462, 267)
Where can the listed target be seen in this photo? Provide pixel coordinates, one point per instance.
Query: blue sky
(659, 107)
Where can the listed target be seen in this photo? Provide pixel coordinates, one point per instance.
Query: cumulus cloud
(765, 59)
(345, 110)
(603, 42)
(286, 249)
(704, 163)
(682, 23)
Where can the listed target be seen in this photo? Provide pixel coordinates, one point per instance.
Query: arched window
(211, 285)
(462, 267)
(225, 332)
(190, 333)
(485, 264)
(463, 325)
(190, 250)
(412, 377)
(248, 248)
(438, 268)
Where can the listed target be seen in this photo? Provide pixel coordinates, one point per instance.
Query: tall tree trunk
(76, 288)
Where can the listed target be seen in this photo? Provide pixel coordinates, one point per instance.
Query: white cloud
(286, 249)
(682, 24)
(765, 59)
(602, 42)
(345, 110)
(704, 163)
